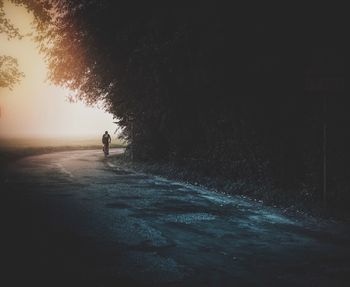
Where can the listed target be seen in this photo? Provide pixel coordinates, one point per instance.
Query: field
(13, 148)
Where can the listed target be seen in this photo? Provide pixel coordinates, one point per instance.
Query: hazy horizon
(46, 141)
(35, 108)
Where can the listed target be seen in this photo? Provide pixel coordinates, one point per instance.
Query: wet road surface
(77, 219)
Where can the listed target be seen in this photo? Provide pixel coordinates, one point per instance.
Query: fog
(40, 141)
(35, 108)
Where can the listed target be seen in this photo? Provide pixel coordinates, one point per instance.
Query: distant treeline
(242, 91)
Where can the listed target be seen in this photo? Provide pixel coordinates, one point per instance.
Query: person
(106, 140)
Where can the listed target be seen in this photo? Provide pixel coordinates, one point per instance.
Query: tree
(9, 69)
(9, 72)
(199, 83)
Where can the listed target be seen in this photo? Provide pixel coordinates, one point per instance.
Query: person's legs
(105, 149)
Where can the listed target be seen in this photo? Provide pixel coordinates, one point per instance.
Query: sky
(34, 107)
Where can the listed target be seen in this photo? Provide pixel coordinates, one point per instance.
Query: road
(76, 219)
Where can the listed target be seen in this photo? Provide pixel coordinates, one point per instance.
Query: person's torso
(105, 138)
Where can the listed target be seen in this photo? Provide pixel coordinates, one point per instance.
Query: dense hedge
(239, 91)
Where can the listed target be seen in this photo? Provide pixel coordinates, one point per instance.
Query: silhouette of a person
(106, 140)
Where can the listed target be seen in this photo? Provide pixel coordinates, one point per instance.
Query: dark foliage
(239, 91)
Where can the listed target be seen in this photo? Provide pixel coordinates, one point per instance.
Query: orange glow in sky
(35, 107)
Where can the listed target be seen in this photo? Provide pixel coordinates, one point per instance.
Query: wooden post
(132, 140)
(324, 150)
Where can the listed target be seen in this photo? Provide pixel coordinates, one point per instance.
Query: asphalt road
(76, 219)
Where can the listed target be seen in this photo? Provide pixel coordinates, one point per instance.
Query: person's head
(106, 132)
